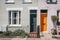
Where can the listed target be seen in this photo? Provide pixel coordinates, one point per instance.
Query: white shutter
(53, 0)
(59, 16)
(27, 0)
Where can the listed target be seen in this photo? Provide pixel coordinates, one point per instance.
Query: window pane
(14, 15)
(33, 11)
(14, 21)
(43, 11)
(9, 20)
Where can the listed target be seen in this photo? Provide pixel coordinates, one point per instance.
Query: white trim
(33, 8)
(14, 9)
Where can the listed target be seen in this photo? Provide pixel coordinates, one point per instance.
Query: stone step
(33, 35)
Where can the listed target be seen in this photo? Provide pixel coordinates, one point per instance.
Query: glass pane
(34, 23)
(14, 21)
(43, 11)
(33, 11)
(14, 16)
(19, 14)
(19, 20)
(9, 20)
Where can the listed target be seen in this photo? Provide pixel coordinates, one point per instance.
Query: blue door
(33, 20)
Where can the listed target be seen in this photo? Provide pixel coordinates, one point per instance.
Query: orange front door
(43, 22)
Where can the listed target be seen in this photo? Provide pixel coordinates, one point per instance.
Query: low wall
(19, 38)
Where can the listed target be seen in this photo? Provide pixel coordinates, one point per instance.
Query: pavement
(43, 37)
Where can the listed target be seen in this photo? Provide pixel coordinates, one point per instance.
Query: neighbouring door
(33, 20)
(43, 20)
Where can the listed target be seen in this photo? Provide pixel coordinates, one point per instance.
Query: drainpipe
(38, 32)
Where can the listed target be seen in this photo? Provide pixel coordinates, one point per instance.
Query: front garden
(16, 33)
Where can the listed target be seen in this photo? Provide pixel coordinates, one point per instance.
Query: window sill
(9, 2)
(14, 25)
(27, 2)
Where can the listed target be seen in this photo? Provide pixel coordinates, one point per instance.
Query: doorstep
(55, 36)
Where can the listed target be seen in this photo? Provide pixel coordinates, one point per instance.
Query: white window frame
(17, 22)
(20, 9)
(9, 1)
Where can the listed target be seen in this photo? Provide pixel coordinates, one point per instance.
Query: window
(52, 1)
(58, 14)
(43, 11)
(14, 17)
(33, 11)
(9, 1)
(27, 1)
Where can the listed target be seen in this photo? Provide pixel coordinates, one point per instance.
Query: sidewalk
(45, 37)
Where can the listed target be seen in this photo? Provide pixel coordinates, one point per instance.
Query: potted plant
(54, 20)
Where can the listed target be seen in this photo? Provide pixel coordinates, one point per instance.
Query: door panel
(43, 22)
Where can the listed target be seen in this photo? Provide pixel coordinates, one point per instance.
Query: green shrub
(7, 33)
(21, 33)
(18, 32)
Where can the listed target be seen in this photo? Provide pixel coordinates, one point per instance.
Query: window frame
(18, 17)
(58, 22)
(51, 2)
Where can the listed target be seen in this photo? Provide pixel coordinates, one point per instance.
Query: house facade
(28, 14)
